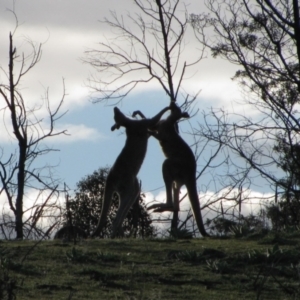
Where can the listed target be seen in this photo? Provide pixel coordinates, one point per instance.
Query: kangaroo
(122, 177)
(179, 168)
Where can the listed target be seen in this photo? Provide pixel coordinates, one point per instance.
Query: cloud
(75, 133)
(252, 203)
(34, 199)
(6, 134)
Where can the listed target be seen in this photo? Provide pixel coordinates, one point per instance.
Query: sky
(66, 30)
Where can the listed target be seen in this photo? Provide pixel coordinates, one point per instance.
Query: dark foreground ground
(210, 268)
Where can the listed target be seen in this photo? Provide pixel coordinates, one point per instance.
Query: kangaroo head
(176, 113)
(120, 119)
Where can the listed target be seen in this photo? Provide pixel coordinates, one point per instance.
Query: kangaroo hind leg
(108, 194)
(172, 204)
(127, 198)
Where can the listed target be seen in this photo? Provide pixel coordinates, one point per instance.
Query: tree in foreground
(84, 209)
(263, 39)
(30, 124)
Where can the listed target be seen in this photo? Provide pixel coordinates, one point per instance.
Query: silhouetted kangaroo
(122, 177)
(179, 168)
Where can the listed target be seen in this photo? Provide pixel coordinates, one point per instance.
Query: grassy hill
(210, 268)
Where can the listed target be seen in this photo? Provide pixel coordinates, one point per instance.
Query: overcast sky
(67, 28)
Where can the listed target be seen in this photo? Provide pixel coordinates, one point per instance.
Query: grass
(209, 268)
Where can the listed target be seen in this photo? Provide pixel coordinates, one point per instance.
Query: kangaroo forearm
(153, 121)
(138, 113)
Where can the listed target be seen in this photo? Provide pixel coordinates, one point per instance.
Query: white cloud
(34, 199)
(76, 132)
(6, 133)
(252, 203)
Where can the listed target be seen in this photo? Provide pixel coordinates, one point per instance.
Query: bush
(237, 227)
(84, 209)
(284, 214)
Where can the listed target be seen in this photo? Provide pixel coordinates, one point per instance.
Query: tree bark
(22, 140)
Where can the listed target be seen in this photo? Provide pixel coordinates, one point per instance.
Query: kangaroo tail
(193, 195)
(108, 194)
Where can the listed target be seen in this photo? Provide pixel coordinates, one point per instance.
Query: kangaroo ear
(120, 119)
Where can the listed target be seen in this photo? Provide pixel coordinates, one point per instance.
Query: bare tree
(18, 171)
(151, 50)
(263, 39)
